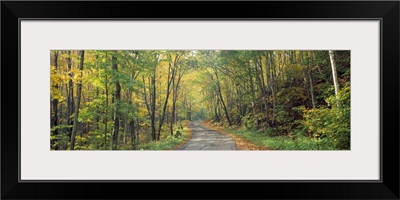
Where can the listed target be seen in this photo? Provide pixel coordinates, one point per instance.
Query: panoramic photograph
(141, 100)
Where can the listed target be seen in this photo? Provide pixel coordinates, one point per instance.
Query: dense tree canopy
(125, 99)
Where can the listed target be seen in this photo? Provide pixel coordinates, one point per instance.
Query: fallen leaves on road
(241, 143)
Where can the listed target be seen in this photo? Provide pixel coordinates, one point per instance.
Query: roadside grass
(252, 140)
(282, 142)
(169, 143)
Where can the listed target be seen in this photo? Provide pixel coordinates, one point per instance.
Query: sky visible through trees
(146, 99)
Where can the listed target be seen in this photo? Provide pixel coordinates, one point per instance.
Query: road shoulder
(241, 143)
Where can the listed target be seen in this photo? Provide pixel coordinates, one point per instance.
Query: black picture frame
(386, 11)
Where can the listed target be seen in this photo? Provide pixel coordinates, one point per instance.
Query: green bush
(332, 123)
(249, 122)
(168, 143)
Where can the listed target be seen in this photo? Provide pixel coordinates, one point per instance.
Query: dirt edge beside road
(241, 143)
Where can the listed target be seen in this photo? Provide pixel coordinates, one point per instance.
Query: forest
(148, 99)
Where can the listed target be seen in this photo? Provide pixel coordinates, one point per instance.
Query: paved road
(206, 139)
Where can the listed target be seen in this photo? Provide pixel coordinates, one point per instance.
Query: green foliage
(168, 143)
(292, 96)
(332, 123)
(60, 140)
(281, 115)
(284, 142)
(324, 91)
(250, 121)
(60, 127)
(236, 116)
(81, 143)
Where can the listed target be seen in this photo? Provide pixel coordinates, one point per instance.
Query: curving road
(207, 139)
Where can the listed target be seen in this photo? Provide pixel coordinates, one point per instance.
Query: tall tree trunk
(173, 107)
(70, 97)
(137, 131)
(153, 106)
(311, 90)
(78, 99)
(261, 86)
(216, 104)
(305, 71)
(98, 112)
(253, 103)
(55, 105)
(117, 98)
(307, 78)
(264, 91)
(311, 84)
(125, 130)
(60, 113)
(273, 85)
(106, 111)
(133, 133)
(334, 74)
(150, 102)
(175, 87)
(129, 125)
(222, 100)
(171, 73)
